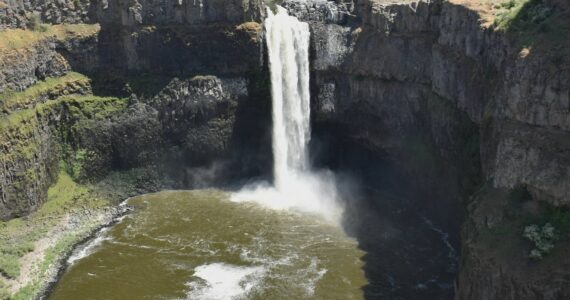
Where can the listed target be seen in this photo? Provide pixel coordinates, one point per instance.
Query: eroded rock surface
(19, 13)
(474, 101)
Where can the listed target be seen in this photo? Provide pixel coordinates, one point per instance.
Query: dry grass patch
(487, 9)
(16, 39)
(253, 29)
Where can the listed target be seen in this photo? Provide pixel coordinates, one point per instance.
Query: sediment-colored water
(201, 245)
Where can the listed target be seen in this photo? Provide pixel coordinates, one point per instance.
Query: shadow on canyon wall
(407, 255)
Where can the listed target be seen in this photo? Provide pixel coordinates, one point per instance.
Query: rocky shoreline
(115, 215)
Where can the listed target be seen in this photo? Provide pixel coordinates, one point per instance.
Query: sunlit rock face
(18, 13)
(182, 37)
(189, 12)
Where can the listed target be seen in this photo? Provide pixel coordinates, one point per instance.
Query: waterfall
(288, 45)
(296, 186)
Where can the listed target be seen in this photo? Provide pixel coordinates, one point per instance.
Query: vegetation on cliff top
(78, 107)
(538, 27)
(521, 14)
(15, 39)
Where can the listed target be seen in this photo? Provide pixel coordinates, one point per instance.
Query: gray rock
(430, 72)
(130, 13)
(17, 13)
(21, 69)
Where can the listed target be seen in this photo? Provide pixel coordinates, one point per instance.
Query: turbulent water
(201, 245)
(296, 186)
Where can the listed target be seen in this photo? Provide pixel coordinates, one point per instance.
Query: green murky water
(200, 245)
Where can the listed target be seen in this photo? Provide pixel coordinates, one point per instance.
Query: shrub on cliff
(555, 227)
(543, 239)
(521, 14)
(35, 24)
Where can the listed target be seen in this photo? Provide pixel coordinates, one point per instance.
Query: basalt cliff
(465, 103)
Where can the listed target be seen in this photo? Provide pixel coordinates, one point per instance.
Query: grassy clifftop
(17, 39)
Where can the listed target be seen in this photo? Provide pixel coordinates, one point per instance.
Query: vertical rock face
(218, 44)
(30, 148)
(488, 108)
(21, 69)
(374, 72)
(181, 37)
(29, 161)
(29, 57)
(131, 13)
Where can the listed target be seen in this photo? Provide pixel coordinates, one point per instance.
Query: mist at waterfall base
(296, 186)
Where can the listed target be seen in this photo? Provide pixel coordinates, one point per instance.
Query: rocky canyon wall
(173, 87)
(26, 13)
(182, 37)
(456, 101)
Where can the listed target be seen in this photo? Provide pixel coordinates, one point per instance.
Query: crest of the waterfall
(295, 185)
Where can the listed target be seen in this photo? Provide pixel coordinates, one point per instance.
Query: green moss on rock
(33, 139)
(19, 237)
(49, 89)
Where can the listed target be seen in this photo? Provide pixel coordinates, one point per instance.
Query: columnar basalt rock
(445, 47)
(20, 13)
(49, 54)
(129, 13)
(192, 123)
(21, 69)
(182, 37)
(398, 70)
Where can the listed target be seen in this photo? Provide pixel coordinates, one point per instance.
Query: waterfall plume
(296, 186)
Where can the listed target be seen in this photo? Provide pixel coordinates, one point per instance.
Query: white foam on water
(313, 275)
(90, 247)
(305, 193)
(220, 281)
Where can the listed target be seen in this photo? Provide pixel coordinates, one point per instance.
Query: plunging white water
(288, 44)
(295, 185)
